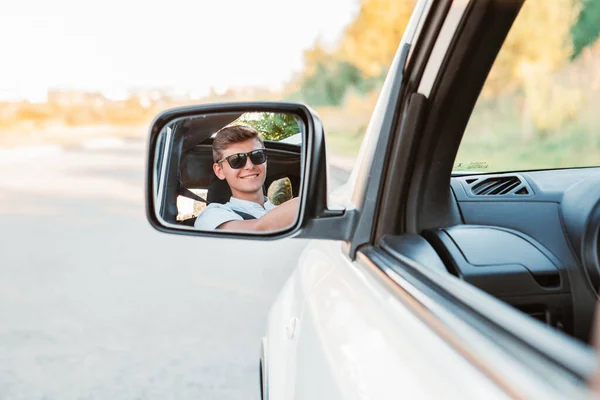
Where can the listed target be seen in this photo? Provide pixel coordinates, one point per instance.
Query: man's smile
(249, 176)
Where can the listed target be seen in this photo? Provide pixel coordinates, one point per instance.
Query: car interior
(530, 238)
(191, 160)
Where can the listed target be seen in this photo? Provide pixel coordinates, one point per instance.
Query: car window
(539, 106)
(190, 208)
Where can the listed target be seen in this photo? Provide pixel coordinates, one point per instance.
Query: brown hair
(233, 134)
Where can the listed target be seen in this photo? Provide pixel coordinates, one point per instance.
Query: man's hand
(278, 218)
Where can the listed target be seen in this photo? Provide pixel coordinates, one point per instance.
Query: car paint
(335, 332)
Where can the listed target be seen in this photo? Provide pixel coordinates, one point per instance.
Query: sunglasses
(237, 161)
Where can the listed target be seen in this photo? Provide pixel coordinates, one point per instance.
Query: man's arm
(215, 215)
(278, 218)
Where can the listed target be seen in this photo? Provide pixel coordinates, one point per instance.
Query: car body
(424, 283)
(363, 328)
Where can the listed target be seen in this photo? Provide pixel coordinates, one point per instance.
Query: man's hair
(232, 134)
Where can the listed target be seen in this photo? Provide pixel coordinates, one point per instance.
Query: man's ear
(218, 170)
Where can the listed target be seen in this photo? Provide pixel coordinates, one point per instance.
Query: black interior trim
(456, 90)
(555, 215)
(580, 212)
(533, 344)
(414, 247)
(404, 139)
(510, 266)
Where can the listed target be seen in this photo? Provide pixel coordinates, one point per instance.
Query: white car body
(381, 313)
(336, 331)
(335, 334)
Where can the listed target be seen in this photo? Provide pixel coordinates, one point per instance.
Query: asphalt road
(95, 304)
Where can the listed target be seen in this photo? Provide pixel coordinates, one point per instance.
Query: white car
(421, 282)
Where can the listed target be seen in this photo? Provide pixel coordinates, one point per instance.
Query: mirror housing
(314, 218)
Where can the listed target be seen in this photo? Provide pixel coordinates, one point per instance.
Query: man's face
(247, 180)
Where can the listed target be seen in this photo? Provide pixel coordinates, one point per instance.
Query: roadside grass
(345, 126)
(500, 137)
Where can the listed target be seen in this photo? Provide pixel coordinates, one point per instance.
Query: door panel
(285, 318)
(357, 340)
(537, 214)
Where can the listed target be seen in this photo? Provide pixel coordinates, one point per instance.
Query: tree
(330, 82)
(539, 37)
(327, 78)
(272, 126)
(586, 29)
(359, 62)
(537, 48)
(371, 40)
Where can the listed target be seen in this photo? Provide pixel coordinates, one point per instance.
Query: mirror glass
(229, 171)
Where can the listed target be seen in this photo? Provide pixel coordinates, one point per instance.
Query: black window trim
(472, 52)
(505, 344)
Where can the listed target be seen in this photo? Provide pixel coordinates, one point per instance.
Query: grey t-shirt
(216, 214)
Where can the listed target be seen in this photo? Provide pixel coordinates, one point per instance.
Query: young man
(240, 158)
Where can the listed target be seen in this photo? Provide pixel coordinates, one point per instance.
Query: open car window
(199, 186)
(539, 106)
(190, 208)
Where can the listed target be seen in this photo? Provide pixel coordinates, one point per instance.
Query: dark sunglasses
(237, 161)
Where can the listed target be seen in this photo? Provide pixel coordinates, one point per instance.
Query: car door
(379, 316)
(281, 372)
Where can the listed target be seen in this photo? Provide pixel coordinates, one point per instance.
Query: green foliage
(329, 83)
(272, 126)
(370, 41)
(494, 137)
(321, 88)
(586, 29)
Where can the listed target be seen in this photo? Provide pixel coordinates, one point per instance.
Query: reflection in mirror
(230, 171)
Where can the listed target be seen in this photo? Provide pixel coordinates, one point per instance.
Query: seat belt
(244, 215)
(185, 192)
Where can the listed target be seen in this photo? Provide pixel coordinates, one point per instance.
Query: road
(95, 304)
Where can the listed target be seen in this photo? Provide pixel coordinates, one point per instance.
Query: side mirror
(241, 170)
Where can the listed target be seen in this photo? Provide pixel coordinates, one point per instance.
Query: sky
(186, 45)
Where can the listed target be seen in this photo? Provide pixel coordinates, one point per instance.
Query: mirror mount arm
(331, 225)
(322, 222)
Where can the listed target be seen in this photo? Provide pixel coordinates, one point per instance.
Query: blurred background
(93, 302)
(76, 72)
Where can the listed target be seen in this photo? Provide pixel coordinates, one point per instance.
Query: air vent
(498, 186)
(523, 190)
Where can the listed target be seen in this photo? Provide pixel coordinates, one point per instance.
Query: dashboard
(531, 239)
